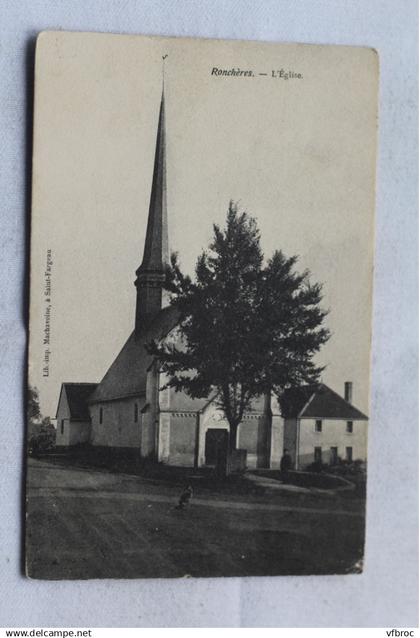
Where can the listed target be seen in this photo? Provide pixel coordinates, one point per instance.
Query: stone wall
(182, 438)
(119, 427)
(63, 421)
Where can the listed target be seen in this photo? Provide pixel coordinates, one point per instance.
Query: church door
(216, 446)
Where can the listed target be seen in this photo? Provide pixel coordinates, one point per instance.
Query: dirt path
(206, 502)
(87, 524)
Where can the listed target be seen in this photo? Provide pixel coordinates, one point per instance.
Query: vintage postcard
(200, 307)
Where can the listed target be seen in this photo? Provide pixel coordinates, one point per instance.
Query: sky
(298, 154)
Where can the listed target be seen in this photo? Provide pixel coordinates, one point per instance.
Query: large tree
(247, 328)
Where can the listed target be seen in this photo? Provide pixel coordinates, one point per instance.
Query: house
(322, 426)
(132, 412)
(73, 416)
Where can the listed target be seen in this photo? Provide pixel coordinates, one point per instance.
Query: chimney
(348, 391)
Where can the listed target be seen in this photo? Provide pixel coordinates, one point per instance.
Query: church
(128, 410)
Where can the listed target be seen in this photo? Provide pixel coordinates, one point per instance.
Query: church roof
(128, 373)
(317, 401)
(77, 398)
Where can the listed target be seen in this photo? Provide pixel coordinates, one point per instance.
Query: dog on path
(184, 499)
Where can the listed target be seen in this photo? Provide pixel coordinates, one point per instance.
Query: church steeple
(151, 273)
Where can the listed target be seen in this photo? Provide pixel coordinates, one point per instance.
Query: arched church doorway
(216, 446)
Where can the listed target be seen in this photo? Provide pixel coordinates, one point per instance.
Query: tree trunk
(233, 428)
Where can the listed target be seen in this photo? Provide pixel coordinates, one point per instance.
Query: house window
(318, 425)
(349, 427)
(333, 455)
(136, 413)
(318, 454)
(349, 453)
(62, 426)
(101, 416)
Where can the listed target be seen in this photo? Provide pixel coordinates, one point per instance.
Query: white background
(386, 594)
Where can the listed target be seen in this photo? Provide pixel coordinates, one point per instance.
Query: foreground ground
(83, 523)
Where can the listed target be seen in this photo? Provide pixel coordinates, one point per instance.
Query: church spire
(151, 273)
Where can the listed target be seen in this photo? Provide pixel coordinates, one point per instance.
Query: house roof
(317, 401)
(77, 397)
(128, 373)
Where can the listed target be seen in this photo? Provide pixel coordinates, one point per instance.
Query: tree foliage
(41, 432)
(247, 328)
(34, 412)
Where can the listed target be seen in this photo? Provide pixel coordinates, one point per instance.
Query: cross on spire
(163, 71)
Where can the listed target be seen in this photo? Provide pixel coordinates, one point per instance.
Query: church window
(349, 427)
(62, 426)
(101, 416)
(136, 413)
(349, 454)
(318, 425)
